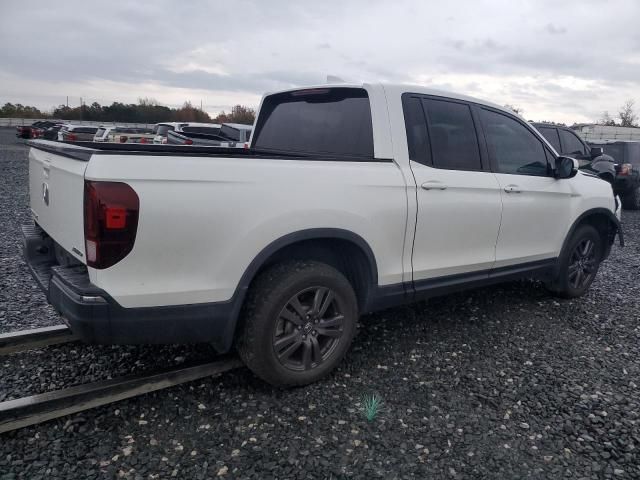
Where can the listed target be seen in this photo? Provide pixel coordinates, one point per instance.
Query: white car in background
(160, 130)
(115, 134)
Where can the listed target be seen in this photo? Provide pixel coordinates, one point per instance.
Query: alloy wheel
(308, 329)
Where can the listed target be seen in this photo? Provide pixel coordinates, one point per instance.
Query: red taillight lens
(143, 140)
(188, 141)
(110, 222)
(123, 139)
(71, 137)
(625, 169)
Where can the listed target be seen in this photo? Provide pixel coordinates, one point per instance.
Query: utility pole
(80, 108)
(67, 101)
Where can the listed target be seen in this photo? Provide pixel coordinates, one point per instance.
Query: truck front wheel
(578, 263)
(631, 199)
(298, 322)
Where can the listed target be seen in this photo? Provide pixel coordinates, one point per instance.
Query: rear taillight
(71, 137)
(143, 140)
(188, 141)
(123, 139)
(110, 222)
(625, 169)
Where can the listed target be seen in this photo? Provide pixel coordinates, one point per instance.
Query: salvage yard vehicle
(627, 153)
(351, 199)
(113, 133)
(624, 178)
(76, 133)
(234, 135)
(34, 130)
(161, 130)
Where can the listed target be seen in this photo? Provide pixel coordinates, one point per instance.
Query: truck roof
(400, 88)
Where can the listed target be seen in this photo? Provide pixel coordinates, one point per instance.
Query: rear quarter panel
(204, 219)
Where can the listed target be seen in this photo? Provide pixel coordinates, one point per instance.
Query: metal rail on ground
(22, 412)
(34, 338)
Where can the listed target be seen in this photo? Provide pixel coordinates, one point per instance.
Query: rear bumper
(97, 318)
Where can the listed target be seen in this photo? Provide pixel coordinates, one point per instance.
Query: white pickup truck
(352, 198)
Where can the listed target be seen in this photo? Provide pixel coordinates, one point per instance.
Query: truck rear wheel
(631, 199)
(578, 263)
(299, 320)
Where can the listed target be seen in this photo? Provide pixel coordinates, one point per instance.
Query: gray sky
(558, 60)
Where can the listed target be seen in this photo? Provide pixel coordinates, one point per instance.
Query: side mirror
(566, 167)
(596, 152)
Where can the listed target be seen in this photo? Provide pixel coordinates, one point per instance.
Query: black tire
(631, 199)
(285, 339)
(578, 263)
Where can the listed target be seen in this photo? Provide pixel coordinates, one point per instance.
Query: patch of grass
(371, 406)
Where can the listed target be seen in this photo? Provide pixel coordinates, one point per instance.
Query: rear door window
(452, 134)
(551, 134)
(330, 121)
(571, 144)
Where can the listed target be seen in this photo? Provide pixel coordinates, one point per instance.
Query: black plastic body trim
(84, 150)
(399, 294)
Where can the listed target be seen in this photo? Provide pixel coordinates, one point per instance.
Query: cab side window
(551, 134)
(513, 147)
(454, 144)
(571, 143)
(441, 133)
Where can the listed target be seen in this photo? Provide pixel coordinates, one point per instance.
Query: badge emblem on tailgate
(45, 193)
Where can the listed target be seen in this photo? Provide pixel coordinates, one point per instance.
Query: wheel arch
(343, 249)
(319, 243)
(604, 221)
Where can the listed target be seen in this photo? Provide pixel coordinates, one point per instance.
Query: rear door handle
(512, 189)
(434, 185)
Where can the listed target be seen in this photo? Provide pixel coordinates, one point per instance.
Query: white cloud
(564, 61)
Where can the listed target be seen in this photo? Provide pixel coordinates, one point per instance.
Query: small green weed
(371, 406)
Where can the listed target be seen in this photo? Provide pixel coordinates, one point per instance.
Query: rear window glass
(85, 129)
(206, 130)
(162, 129)
(229, 132)
(333, 121)
(100, 132)
(616, 150)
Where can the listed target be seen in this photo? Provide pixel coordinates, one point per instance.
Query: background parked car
(51, 133)
(161, 129)
(76, 133)
(34, 130)
(624, 177)
(114, 133)
(229, 135)
(627, 154)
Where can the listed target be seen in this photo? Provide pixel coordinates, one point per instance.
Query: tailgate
(56, 189)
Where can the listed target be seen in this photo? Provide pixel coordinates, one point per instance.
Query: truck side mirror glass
(596, 152)
(566, 167)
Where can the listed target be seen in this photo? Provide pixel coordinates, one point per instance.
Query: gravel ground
(503, 382)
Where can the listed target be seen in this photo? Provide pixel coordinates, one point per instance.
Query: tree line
(145, 111)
